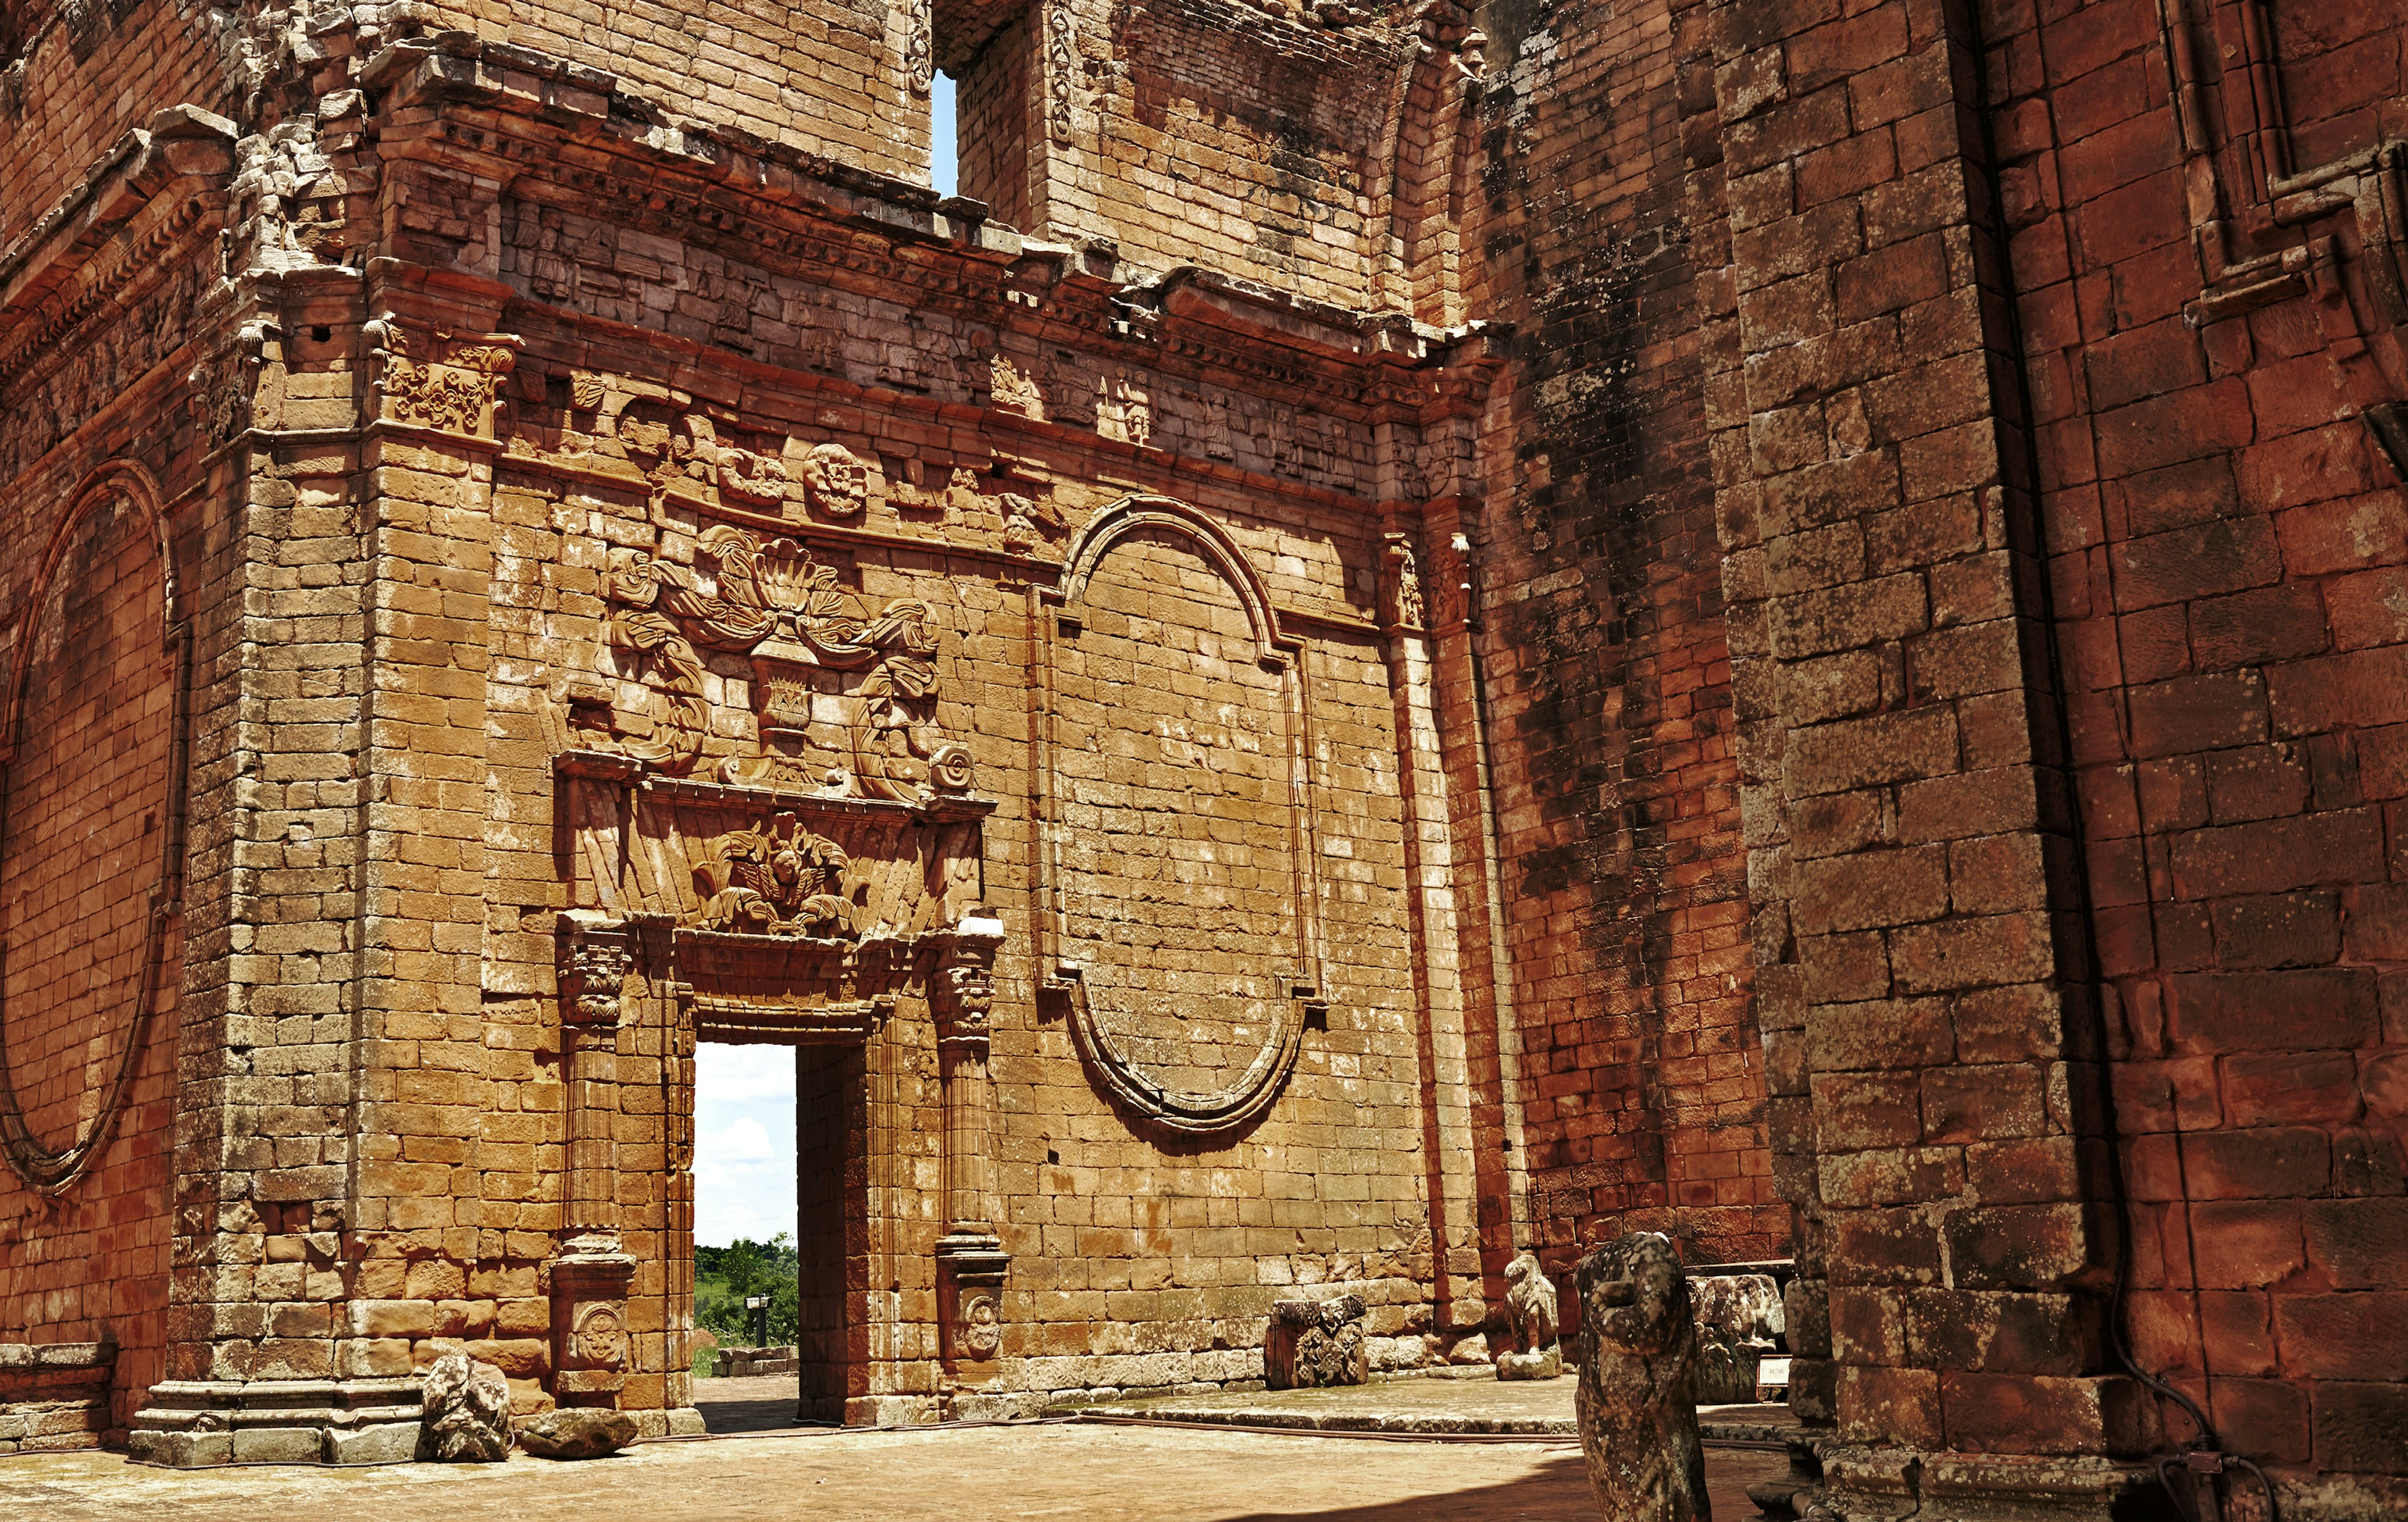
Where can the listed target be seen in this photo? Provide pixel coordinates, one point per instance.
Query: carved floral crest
(786, 611)
(457, 391)
(777, 878)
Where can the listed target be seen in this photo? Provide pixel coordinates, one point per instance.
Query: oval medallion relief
(85, 827)
(1175, 773)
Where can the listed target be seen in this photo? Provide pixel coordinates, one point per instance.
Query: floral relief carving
(458, 391)
(776, 605)
(777, 878)
(1061, 64)
(919, 52)
(838, 481)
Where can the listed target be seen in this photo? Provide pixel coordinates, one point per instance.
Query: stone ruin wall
(2045, 731)
(372, 1159)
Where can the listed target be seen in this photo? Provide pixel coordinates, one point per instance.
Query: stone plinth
(190, 1423)
(53, 1395)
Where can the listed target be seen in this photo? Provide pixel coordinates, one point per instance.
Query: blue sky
(744, 1096)
(743, 1143)
(940, 102)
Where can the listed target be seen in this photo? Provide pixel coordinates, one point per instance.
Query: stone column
(970, 1256)
(1452, 1153)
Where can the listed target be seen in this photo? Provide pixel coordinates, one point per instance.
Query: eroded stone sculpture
(578, 1432)
(1315, 1343)
(1738, 1316)
(777, 878)
(1638, 1361)
(1531, 1322)
(467, 1415)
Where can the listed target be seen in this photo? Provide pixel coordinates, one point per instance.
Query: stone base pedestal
(193, 1424)
(676, 1422)
(1861, 1482)
(55, 1395)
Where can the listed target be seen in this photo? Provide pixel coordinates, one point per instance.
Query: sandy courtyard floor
(1055, 1471)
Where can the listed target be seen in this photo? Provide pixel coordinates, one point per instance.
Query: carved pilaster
(971, 1256)
(596, 953)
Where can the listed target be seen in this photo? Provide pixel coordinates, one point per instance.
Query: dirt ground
(1144, 1474)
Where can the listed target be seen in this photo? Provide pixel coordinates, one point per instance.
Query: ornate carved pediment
(769, 914)
(803, 632)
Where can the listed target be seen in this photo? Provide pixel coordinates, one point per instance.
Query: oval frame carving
(1238, 1104)
(46, 1171)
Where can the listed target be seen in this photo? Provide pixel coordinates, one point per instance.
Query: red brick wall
(81, 823)
(1642, 1081)
(2227, 549)
(79, 85)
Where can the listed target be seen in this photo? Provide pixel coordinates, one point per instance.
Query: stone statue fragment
(1530, 1323)
(1314, 1342)
(1738, 1316)
(467, 1416)
(578, 1432)
(1638, 1362)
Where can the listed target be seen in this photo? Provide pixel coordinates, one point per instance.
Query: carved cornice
(150, 194)
(797, 214)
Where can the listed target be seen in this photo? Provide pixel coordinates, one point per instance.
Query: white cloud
(744, 1143)
(740, 1074)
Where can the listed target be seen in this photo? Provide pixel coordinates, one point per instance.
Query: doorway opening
(768, 1280)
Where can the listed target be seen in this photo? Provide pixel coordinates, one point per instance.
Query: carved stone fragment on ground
(467, 1412)
(1638, 1360)
(577, 1432)
(1316, 1342)
(1530, 1323)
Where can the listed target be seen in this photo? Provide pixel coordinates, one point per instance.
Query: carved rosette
(838, 481)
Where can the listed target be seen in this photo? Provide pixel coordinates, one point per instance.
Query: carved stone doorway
(828, 1123)
(850, 931)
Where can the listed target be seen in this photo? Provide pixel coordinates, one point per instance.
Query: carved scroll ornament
(1061, 65)
(776, 605)
(458, 389)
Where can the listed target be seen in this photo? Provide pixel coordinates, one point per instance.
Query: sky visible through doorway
(743, 1143)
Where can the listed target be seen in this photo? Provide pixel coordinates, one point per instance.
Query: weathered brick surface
(1869, 726)
(74, 79)
(1637, 1085)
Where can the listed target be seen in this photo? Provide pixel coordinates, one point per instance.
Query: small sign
(1770, 1372)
